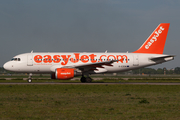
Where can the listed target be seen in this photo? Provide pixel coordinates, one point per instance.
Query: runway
(51, 83)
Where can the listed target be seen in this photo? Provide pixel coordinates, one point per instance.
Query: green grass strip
(87, 102)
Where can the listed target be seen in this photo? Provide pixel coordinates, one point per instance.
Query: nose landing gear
(30, 78)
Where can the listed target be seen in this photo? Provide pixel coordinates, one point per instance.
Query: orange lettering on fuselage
(56, 58)
(66, 59)
(77, 57)
(101, 57)
(122, 57)
(84, 58)
(92, 57)
(111, 56)
(47, 59)
(38, 58)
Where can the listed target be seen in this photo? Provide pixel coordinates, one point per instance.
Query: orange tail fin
(156, 41)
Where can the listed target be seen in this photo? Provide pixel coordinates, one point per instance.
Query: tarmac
(55, 83)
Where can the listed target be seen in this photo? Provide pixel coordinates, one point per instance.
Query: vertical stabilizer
(156, 41)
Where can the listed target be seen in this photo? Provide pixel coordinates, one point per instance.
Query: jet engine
(65, 73)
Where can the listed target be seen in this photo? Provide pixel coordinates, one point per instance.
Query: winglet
(156, 41)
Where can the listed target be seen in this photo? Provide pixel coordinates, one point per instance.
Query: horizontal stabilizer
(163, 58)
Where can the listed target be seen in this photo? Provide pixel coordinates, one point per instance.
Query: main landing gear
(30, 78)
(86, 79)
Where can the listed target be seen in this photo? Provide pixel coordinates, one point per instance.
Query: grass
(86, 102)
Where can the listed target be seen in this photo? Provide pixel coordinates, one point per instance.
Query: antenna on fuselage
(106, 51)
(32, 51)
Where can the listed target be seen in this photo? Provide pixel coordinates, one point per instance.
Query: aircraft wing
(98, 66)
(84, 67)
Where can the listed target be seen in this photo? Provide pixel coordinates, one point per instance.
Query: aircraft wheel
(83, 79)
(29, 80)
(88, 79)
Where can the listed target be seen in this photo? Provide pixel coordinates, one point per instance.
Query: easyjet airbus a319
(64, 66)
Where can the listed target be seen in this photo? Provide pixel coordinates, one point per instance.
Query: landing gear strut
(86, 79)
(30, 78)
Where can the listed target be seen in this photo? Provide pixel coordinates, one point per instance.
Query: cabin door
(29, 60)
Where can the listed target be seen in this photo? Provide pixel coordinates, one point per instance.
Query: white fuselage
(48, 62)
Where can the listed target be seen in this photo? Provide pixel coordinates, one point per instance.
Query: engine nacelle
(65, 73)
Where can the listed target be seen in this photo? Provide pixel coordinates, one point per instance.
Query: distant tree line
(156, 71)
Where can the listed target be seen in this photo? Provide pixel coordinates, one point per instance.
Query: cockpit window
(16, 59)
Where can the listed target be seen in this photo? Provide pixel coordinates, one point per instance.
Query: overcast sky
(86, 26)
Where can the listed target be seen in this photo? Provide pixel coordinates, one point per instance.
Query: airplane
(63, 66)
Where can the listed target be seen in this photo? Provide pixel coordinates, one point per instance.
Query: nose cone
(7, 66)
